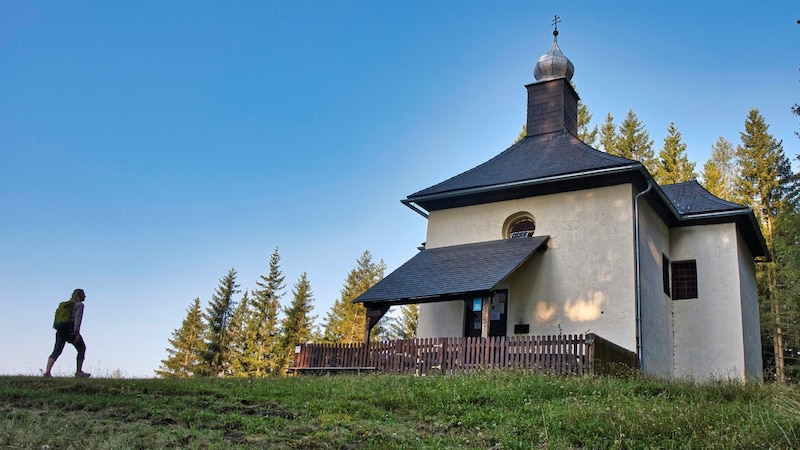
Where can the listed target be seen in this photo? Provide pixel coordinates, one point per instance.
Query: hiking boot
(82, 375)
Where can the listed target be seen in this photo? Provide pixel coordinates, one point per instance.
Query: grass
(499, 410)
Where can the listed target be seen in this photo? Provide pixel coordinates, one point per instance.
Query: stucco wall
(582, 283)
(656, 313)
(709, 341)
(751, 324)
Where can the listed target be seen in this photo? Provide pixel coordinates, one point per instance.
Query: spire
(553, 64)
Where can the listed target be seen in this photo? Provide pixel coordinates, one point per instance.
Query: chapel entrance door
(498, 313)
(487, 316)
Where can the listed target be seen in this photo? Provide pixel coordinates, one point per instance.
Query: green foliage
(522, 134)
(608, 135)
(787, 292)
(345, 321)
(720, 171)
(633, 142)
(588, 136)
(297, 322)
(238, 345)
(218, 316)
(508, 410)
(263, 331)
(405, 325)
(764, 184)
(764, 170)
(185, 356)
(673, 165)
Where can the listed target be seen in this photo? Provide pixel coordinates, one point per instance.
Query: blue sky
(148, 147)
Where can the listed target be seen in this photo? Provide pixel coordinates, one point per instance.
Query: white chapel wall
(582, 283)
(656, 314)
(751, 325)
(708, 332)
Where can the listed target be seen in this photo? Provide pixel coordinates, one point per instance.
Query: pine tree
(720, 171)
(608, 135)
(673, 165)
(763, 184)
(405, 325)
(218, 317)
(297, 325)
(633, 141)
(345, 321)
(263, 329)
(185, 357)
(237, 350)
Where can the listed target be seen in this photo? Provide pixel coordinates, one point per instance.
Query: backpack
(63, 313)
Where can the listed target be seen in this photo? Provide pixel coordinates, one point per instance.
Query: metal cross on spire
(556, 20)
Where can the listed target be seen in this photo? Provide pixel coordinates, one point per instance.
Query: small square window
(684, 279)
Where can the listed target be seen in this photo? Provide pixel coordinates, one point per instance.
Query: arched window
(520, 225)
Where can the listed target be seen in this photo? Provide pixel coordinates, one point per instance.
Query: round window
(520, 226)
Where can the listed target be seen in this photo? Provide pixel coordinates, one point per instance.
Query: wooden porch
(559, 355)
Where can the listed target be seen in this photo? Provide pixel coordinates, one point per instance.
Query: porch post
(374, 314)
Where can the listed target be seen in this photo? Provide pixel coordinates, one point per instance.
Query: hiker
(69, 316)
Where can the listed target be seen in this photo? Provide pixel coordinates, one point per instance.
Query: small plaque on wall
(522, 328)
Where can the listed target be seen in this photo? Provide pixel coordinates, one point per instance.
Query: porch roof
(444, 273)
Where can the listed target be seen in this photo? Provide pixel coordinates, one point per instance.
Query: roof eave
(421, 204)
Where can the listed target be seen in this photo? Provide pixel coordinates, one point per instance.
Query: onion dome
(553, 64)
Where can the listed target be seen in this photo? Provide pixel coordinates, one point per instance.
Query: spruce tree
(763, 184)
(720, 171)
(345, 321)
(297, 324)
(589, 137)
(673, 165)
(633, 141)
(522, 134)
(237, 350)
(263, 330)
(405, 325)
(218, 317)
(787, 292)
(608, 135)
(185, 356)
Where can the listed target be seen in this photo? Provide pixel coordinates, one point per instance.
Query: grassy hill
(484, 411)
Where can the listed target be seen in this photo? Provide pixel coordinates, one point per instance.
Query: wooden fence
(565, 354)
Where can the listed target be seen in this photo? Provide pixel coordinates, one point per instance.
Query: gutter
(637, 277)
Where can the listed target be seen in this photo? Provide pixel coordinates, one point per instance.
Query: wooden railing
(564, 354)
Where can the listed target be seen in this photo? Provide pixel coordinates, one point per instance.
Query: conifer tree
(673, 165)
(522, 134)
(405, 325)
(185, 357)
(297, 324)
(345, 321)
(237, 350)
(218, 317)
(263, 329)
(720, 171)
(787, 292)
(763, 184)
(608, 135)
(589, 137)
(633, 141)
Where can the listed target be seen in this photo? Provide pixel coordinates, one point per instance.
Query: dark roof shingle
(455, 269)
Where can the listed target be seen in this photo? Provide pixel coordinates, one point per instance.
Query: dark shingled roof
(691, 198)
(534, 157)
(457, 269)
